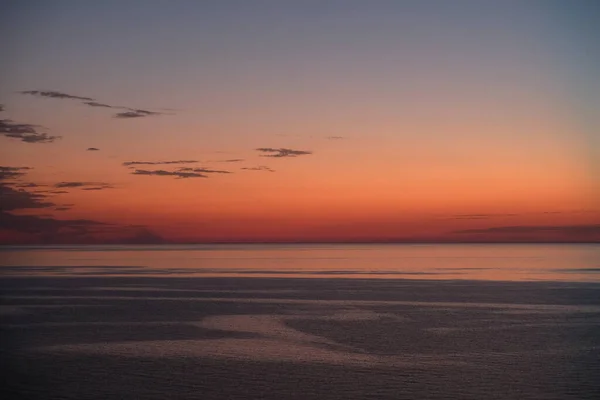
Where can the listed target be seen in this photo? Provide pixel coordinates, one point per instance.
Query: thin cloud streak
(25, 132)
(55, 95)
(259, 168)
(281, 152)
(481, 216)
(90, 102)
(528, 229)
(83, 185)
(130, 163)
(161, 172)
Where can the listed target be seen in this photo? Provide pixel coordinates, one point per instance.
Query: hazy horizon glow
(300, 121)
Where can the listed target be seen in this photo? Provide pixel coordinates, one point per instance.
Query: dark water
(70, 331)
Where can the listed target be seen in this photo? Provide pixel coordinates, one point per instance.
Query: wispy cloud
(12, 199)
(136, 114)
(131, 163)
(102, 105)
(83, 185)
(41, 225)
(259, 168)
(25, 132)
(231, 160)
(12, 172)
(205, 170)
(92, 149)
(528, 229)
(176, 174)
(54, 95)
(480, 216)
(29, 185)
(90, 102)
(282, 152)
(335, 137)
(62, 208)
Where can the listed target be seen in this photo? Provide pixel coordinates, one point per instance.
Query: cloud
(259, 168)
(136, 113)
(92, 149)
(12, 172)
(25, 132)
(335, 137)
(55, 95)
(592, 229)
(59, 191)
(130, 163)
(2, 107)
(205, 170)
(231, 160)
(29, 185)
(45, 228)
(42, 225)
(96, 104)
(282, 152)
(12, 199)
(481, 216)
(90, 102)
(160, 172)
(84, 185)
(48, 230)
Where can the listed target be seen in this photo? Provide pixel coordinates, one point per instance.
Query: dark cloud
(92, 149)
(177, 174)
(2, 107)
(259, 168)
(29, 185)
(12, 199)
(130, 163)
(46, 229)
(136, 114)
(59, 192)
(592, 229)
(130, 113)
(282, 152)
(25, 132)
(42, 225)
(88, 101)
(97, 188)
(12, 172)
(55, 95)
(481, 216)
(205, 170)
(96, 104)
(84, 185)
(232, 160)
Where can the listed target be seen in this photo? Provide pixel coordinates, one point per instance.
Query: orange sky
(400, 126)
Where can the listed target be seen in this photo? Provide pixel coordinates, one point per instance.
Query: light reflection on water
(505, 262)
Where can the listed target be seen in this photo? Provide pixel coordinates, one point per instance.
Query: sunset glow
(299, 121)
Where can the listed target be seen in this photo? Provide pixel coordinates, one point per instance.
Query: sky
(299, 121)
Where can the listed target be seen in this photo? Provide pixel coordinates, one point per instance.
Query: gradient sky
(406, 120)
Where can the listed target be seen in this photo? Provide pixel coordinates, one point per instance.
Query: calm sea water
(509, 322)
(504, 262)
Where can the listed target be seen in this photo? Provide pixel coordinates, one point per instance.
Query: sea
(301, 321)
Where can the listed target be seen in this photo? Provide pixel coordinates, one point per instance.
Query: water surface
(506, 262)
